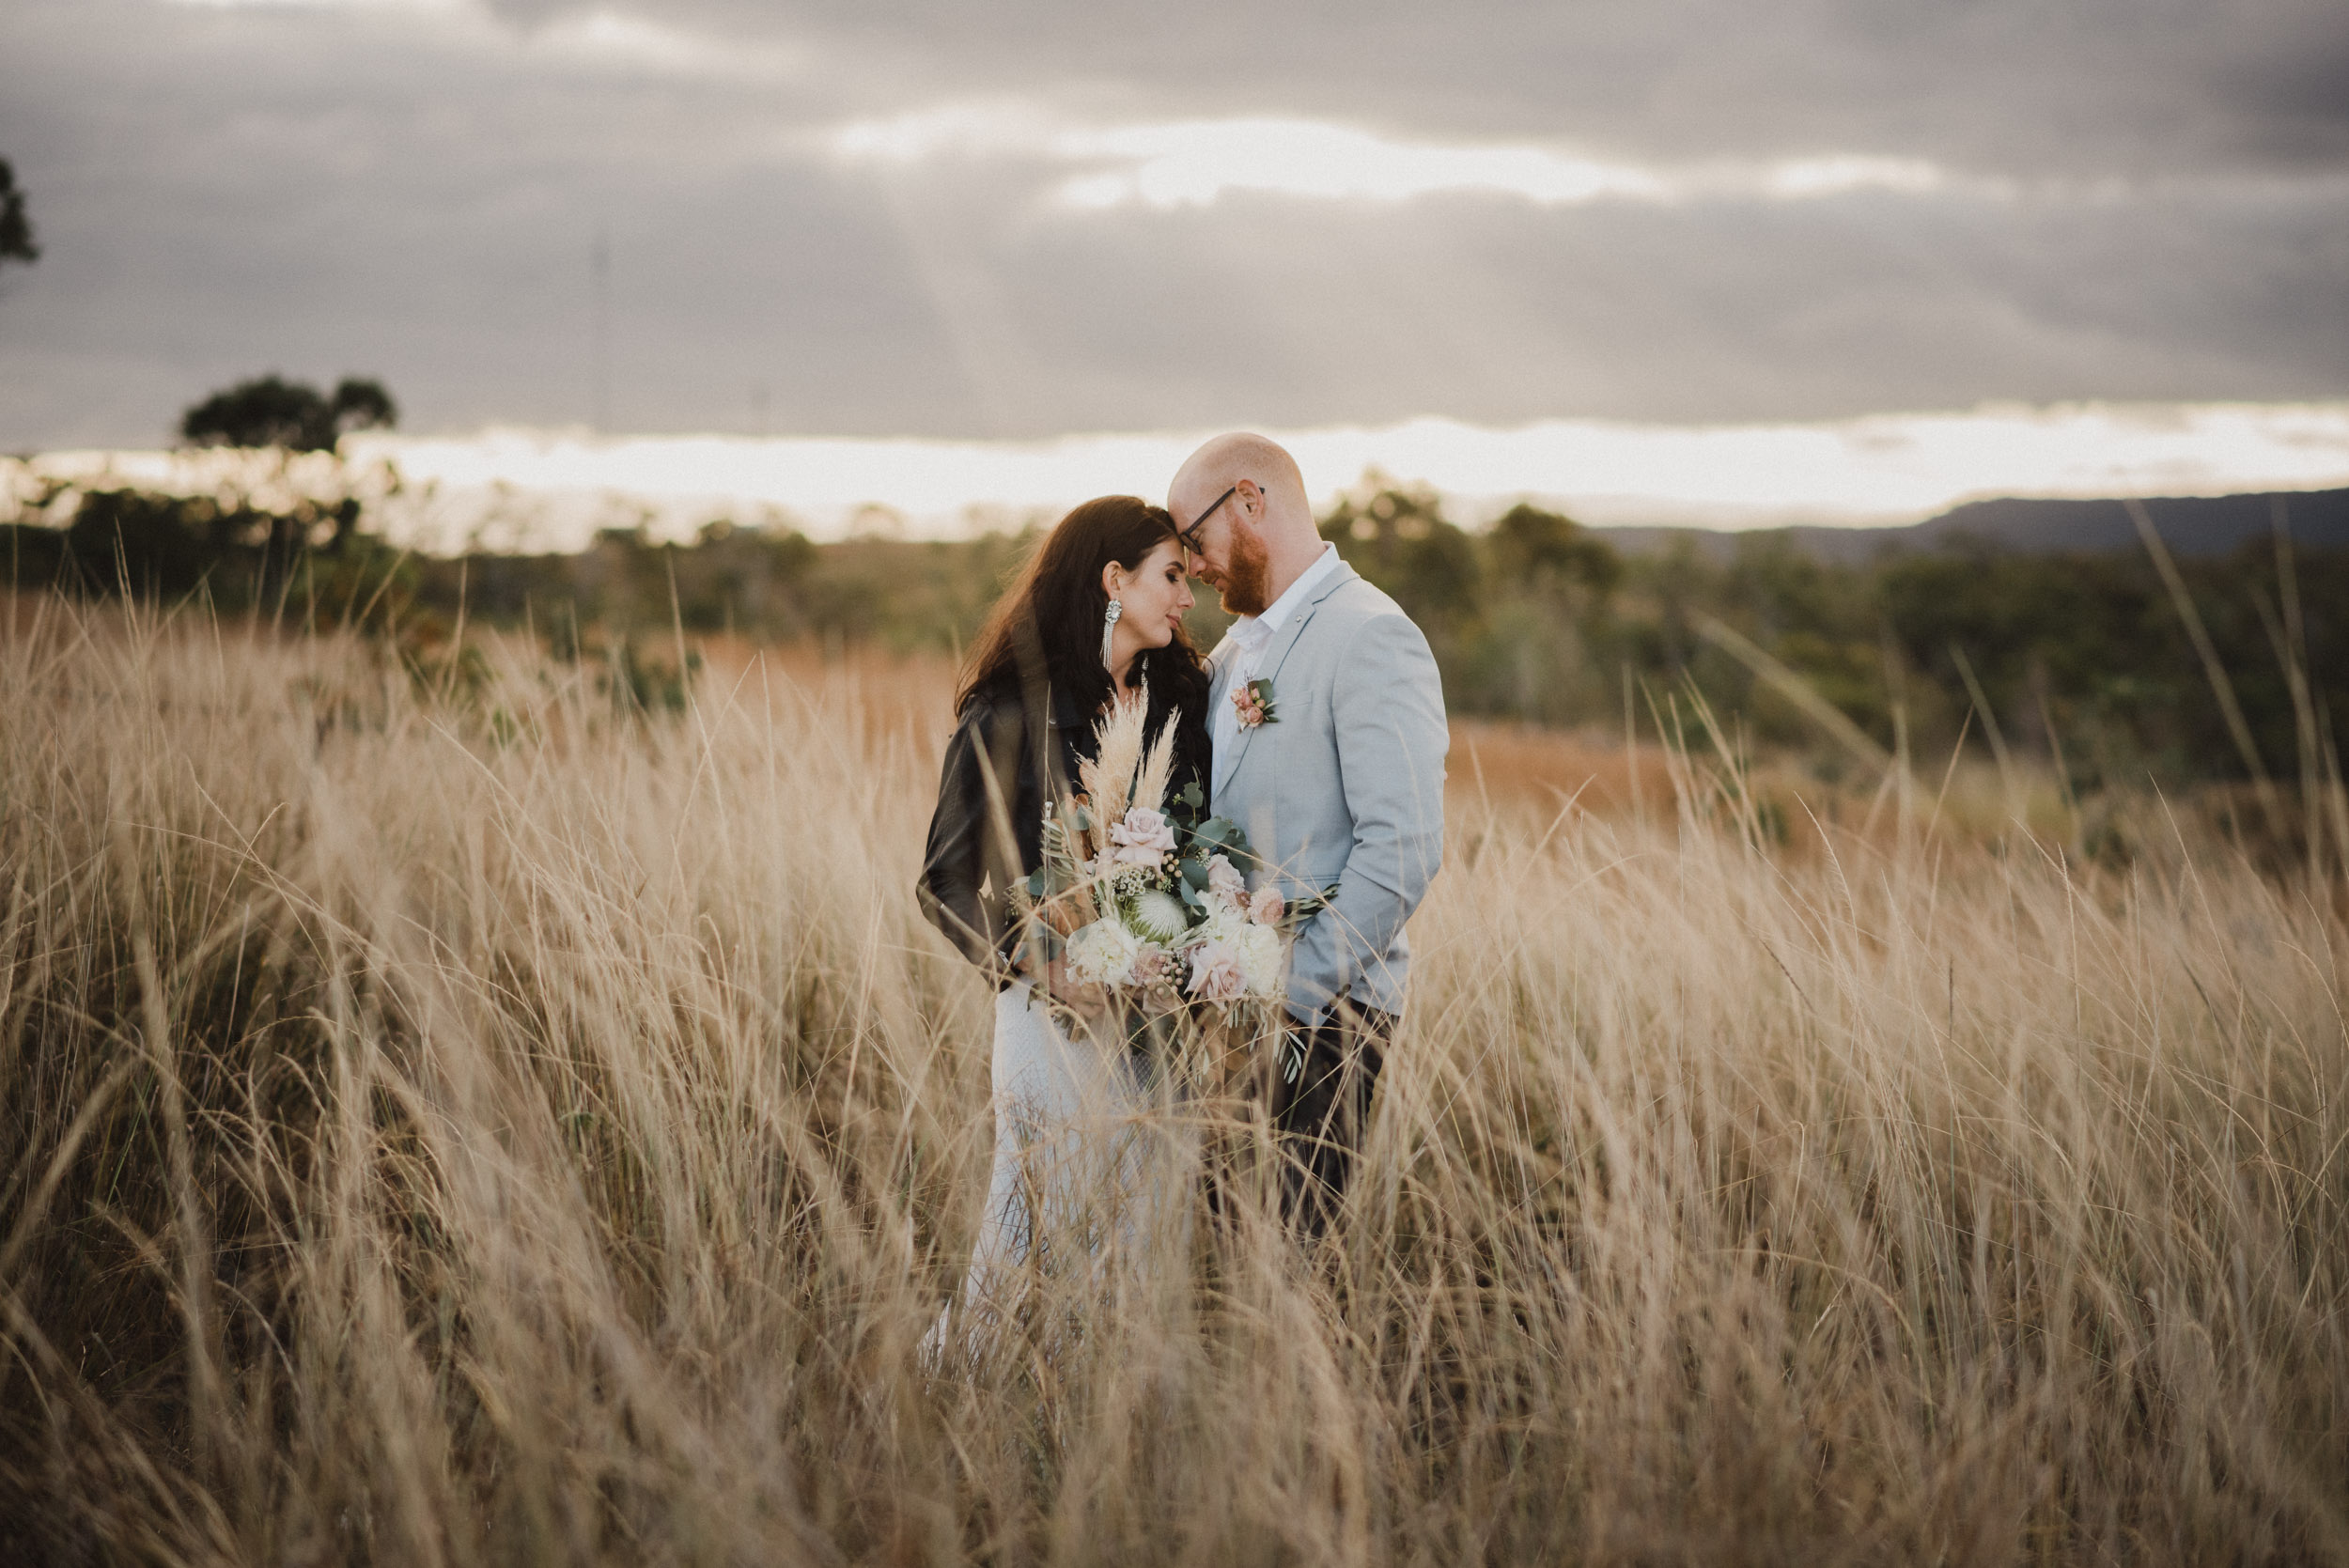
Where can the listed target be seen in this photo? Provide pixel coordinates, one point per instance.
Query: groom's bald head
(1241, 504)
(1228, 459)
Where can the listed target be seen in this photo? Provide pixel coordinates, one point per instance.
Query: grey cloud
(2090, 87)
(322, 191)
(1496, 312)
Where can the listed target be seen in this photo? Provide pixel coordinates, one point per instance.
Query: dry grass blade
(1109, 776)
(1158, 771)
(515, 1127)
(2238, 728)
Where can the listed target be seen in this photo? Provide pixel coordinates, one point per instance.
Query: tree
(1399, 539)
(270, 410)
(290, 416)
(1528, 541)
(16, 228)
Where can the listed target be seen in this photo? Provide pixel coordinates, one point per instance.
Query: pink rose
(1224, 882)
(1266, 907)
(1216, 974)
(1142, 838)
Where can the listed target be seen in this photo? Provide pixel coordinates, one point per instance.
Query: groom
(1330, 738)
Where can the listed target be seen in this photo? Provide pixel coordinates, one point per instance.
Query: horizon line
(536, 486)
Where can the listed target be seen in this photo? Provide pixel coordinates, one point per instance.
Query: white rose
(1261, 956)
(1221, 922)
(1103, 953)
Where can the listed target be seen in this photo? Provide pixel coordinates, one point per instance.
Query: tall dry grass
(483, 1126)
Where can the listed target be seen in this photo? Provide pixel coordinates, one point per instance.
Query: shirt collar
(1260, 629)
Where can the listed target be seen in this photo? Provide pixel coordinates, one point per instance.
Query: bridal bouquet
(1149, 897)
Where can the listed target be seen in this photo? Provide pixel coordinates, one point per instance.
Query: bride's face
(1156, 592)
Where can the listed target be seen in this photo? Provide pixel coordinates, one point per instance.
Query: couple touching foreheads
(1339, 786)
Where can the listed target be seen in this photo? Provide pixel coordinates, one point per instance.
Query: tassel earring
(1109, 630)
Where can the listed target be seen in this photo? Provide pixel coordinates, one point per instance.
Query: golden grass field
(474, 1126)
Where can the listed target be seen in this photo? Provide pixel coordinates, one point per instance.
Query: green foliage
(268, 410)
(313, 561)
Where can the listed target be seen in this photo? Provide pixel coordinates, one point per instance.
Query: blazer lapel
(1276, 653)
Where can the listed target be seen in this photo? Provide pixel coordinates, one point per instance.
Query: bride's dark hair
(1048, 621)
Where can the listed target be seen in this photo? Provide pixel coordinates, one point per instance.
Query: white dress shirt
(1250, 635)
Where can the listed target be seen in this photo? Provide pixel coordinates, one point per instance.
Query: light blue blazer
(1345, 786)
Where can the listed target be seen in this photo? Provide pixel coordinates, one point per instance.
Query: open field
(476, 1124)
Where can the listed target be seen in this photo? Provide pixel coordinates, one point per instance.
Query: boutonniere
(1254, 703)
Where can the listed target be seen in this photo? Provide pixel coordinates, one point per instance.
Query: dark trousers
(1321, 1114)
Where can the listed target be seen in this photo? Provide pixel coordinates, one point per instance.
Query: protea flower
(1158, 916)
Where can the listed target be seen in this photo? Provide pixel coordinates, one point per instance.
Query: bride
(1094, 618)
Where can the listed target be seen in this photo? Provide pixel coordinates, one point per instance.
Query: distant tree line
(237, 554)
(1539, 619)
(2082, 659)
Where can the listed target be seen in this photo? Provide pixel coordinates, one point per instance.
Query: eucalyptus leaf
(1221, 832)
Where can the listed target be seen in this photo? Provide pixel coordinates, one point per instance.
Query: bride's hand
(1087, 1001)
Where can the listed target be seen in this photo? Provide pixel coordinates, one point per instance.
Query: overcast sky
(1016, 220)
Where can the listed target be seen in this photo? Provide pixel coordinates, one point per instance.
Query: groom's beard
(1246, 580)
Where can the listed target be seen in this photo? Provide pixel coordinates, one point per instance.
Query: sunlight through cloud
(1180, 163)
(1191, 165)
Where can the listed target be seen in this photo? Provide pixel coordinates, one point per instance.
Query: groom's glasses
(1190, 536)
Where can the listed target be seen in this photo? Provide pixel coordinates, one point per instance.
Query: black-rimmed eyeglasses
(1190, 536)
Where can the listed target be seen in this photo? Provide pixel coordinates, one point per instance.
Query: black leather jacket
(1028, 750)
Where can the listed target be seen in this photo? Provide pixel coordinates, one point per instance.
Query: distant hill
(2190, 525)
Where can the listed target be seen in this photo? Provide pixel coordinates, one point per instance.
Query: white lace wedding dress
(1090, 1197)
